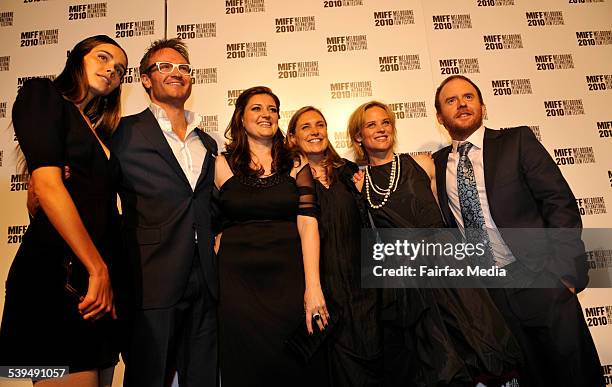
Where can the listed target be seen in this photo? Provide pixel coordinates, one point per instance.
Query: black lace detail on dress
(258, 182)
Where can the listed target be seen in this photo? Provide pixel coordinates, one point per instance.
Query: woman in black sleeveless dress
(432, 337)
(268, 252)
(59, 124)
(354, 348)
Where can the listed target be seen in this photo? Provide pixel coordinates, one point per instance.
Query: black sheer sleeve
(308, 204)
(38, 122)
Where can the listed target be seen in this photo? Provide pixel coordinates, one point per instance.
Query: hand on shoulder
(358, 179)
(298, 165)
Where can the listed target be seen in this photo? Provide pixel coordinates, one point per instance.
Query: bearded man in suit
(504, 179)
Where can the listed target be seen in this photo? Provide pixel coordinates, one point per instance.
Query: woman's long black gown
(261, 279)
(435, 337)
(355, 346)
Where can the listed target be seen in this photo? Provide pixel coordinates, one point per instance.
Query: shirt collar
(193, 119)
(476, 138)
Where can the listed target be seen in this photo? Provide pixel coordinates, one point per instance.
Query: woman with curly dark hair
(268, 250)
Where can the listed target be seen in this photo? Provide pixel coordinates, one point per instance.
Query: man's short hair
(452, 77)
(174, 43)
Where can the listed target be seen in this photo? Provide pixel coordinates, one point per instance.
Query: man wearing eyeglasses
(168, 165)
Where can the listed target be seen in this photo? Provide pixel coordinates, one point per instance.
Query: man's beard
(463, 131)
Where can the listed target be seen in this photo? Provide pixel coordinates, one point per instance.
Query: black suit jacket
(525, 189)
(161, 213)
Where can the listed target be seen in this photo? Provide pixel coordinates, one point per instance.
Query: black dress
(355, 347)
(41, 324)
(261, 280)
(436, 337)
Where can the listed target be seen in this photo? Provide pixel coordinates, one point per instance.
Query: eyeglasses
(168, 67)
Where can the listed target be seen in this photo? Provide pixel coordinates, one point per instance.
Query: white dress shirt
(190, 153)
(501, 252)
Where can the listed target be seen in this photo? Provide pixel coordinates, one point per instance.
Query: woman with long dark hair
(354, 347)
(431, 337)
(268, 250)
(59, 306)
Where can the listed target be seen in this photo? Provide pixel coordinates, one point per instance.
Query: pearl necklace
(385, 193)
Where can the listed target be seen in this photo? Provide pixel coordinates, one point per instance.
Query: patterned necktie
(469, 201)
(471, 211)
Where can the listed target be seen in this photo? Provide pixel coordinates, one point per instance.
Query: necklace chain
(385, 193)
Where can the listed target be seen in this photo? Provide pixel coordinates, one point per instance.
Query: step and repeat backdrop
(544, 64)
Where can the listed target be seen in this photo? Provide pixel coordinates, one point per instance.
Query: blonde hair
(355, 124)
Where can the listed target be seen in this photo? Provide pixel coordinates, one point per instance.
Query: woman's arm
(32, 201)
(308, 229)
(314, 301)
(222, 171)
(57, 204)
(427, 163)
(217, 242)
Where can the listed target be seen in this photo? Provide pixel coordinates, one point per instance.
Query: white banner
(544, 64)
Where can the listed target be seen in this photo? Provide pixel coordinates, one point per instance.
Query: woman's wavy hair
(237, 150)
(356, 123)
(104, 112)
(331, 158)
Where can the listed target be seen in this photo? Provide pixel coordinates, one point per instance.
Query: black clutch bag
(304, 345)
(74, 288)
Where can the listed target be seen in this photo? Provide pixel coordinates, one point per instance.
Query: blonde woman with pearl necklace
(430, 336)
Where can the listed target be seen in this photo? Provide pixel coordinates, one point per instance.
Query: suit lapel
(491, 149)
(440, 163)
(208, 160)
(151, 130)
